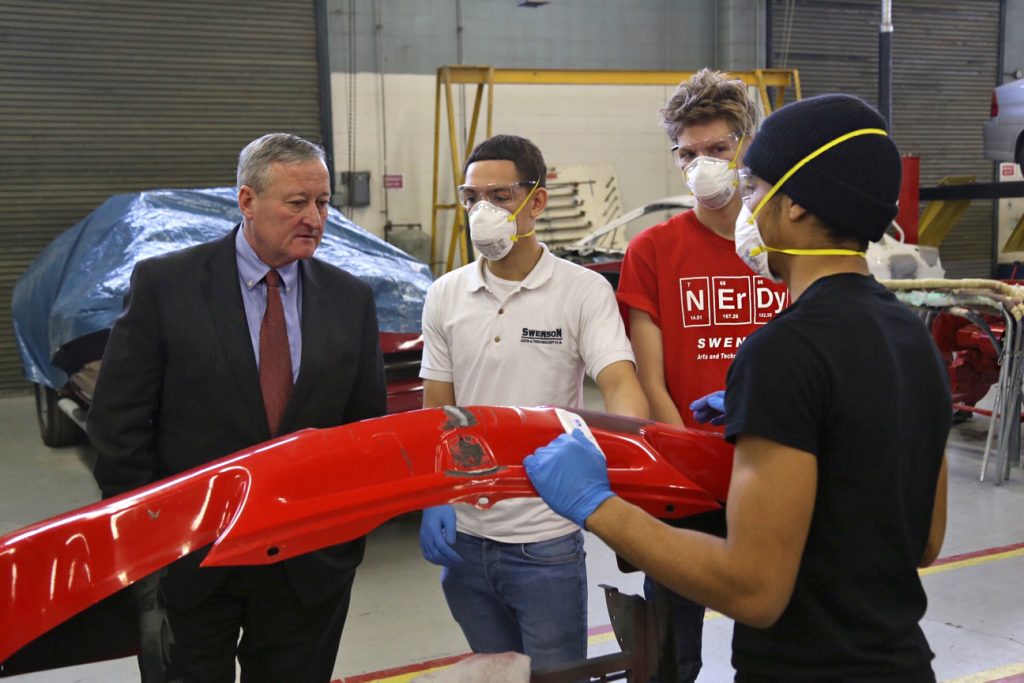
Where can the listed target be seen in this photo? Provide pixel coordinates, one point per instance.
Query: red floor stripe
(399, 670)
(434, 663)
(1015, 678)
(977, 553)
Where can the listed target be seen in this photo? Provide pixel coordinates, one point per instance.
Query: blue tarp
(76, 286)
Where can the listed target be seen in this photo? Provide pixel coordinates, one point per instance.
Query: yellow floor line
(991, 674)
(972, 561)
(405, 678)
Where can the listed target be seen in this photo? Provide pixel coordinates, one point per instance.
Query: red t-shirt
(704, 299)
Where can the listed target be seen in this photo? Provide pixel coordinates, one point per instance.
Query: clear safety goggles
(726, 148)
(747, 186)
(503, 195)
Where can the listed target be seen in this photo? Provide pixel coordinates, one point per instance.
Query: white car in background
(1004, 132)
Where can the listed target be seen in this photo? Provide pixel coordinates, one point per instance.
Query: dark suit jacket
(179, 387)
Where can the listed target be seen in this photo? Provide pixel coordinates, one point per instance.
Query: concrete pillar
(1013, 41)
(740, 34)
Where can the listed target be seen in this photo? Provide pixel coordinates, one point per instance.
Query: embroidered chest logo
(531, 336)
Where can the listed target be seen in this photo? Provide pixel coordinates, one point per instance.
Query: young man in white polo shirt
(519, 326)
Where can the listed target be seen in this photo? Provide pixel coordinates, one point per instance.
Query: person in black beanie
(839, 409)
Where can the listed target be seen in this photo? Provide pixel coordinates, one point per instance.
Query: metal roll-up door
(99, 97)
(944, 67)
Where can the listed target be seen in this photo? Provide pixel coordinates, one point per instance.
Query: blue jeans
(682, 643)
(522, 597)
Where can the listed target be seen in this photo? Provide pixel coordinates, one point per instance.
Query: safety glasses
(748, 185)
(725, 148)
(503, 195)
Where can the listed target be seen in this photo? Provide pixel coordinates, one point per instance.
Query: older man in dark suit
(222, 346)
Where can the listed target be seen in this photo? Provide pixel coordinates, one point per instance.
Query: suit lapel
(224, 297)
(314, 341)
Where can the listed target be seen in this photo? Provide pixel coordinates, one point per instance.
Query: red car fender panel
(315, 488)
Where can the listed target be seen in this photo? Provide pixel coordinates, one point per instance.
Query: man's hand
(571, 475)
(710, 408)
(437, 536)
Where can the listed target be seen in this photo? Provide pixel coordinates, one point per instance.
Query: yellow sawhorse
(941, 215)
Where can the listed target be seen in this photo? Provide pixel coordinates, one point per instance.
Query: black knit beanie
(853, 187)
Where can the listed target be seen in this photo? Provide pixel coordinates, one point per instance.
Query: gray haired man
(222, 346)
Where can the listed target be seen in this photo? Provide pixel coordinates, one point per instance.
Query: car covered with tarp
(67, 300)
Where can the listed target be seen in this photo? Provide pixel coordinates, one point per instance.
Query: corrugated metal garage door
(944, 67)
(100, 97)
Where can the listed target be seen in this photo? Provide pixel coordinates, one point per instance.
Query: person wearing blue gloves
(519, 327)
(437, 534)
(839, 409)
(710, 408)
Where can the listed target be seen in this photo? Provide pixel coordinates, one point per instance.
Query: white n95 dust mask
(750, 247)
(492, 229)
(712, 181)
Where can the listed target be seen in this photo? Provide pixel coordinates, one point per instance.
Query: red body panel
(316, 488)
(395, 342)
(402, 354)
(971, 359)
(405, 395)
(605, 266)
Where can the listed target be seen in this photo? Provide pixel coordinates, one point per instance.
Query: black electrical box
(354, 189)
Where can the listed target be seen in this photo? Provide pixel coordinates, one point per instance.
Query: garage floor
(399, 625)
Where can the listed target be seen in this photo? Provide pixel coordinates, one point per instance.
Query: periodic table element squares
(767, 301)
(695, 299)
(732, 296)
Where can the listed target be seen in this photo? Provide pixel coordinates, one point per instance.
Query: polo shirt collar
(541, 273)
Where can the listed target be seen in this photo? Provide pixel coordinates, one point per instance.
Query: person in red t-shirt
(691, 301)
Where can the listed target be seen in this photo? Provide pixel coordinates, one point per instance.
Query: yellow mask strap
(813, 155)
(739, 146)
(512, 218)
(515, 213)
(808, 252)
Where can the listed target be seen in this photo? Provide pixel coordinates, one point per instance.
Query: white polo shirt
(527, 347)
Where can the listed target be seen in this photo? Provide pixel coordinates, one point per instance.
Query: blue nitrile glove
(570, 474)
(710, 408)
(437, 536)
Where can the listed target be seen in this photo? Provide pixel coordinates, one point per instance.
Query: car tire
(56, 428)
(1018, 156)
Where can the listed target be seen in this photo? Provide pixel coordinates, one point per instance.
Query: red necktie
(275, 357)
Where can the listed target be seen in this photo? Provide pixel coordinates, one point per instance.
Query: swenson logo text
(531, 336)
